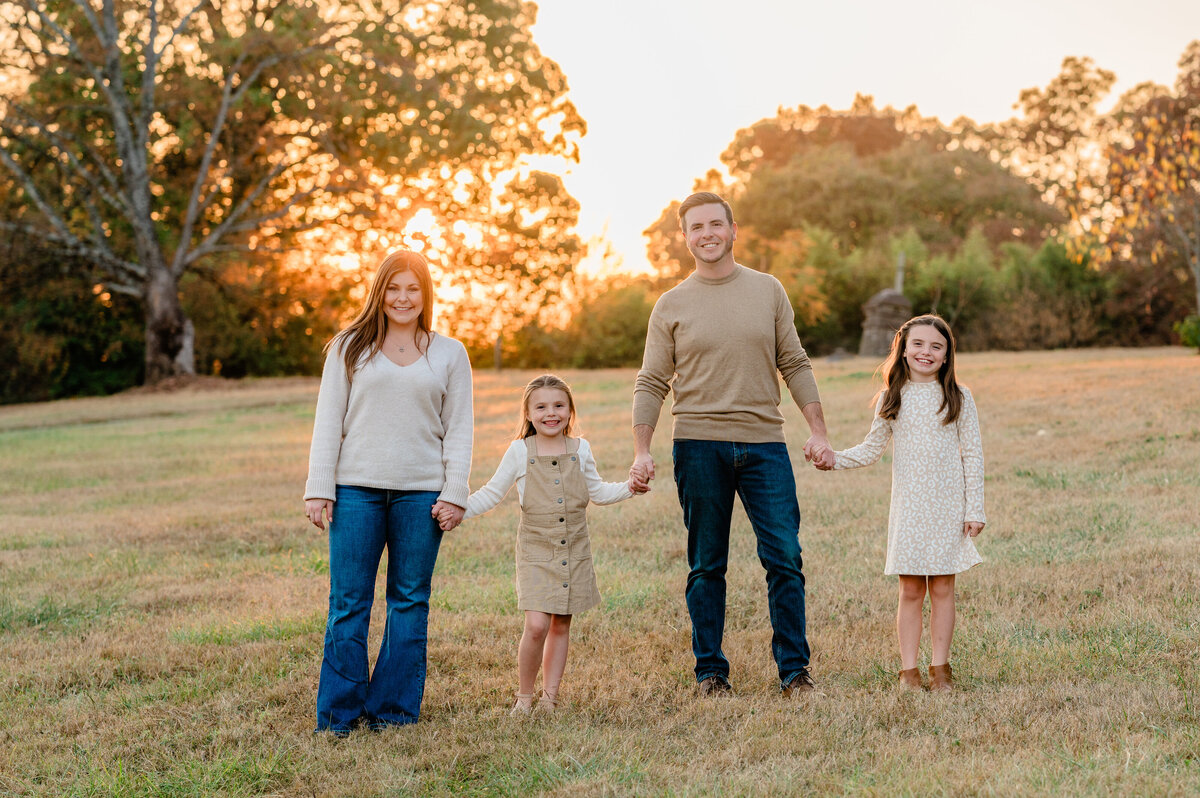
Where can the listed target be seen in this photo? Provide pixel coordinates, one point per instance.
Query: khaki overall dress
(554, 556)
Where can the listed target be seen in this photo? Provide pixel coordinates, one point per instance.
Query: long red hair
(364, 336)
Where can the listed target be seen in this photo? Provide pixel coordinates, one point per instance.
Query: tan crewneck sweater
(721, 345)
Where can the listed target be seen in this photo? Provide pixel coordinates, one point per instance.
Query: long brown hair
(364, 336)
(896, 376)
(526, 428)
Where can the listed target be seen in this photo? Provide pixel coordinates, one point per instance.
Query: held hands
(448, 515)
(818, 452)
(315, 509)
(972, 528)
(640, 474)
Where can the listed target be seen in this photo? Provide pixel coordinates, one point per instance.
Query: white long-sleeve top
(395, 427)
(512, 471)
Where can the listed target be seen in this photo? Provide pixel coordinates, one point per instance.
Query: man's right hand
(641, 472)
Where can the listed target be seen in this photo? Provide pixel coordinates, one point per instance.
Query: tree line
(181, 184)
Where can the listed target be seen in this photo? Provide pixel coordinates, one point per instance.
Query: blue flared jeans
(708, 474)
(367, 520)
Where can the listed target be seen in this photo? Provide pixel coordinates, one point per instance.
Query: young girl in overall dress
(937, 486)
(556, 477)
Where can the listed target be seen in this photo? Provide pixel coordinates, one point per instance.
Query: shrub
(1189, 331)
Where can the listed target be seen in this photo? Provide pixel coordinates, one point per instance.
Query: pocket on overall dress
(533, 546)
(581, 547)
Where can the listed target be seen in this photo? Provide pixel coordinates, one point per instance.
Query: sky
(664, 85)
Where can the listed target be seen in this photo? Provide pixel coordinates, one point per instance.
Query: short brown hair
(704, 198)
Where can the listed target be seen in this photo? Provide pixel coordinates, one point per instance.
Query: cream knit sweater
(721, 345)
(395, 427)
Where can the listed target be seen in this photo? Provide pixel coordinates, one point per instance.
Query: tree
(146, 138)
(959, 287)
(824, 198)
(511, 261)
(866, 174)
(1054, 143)
(1154, 175)
(61, 334)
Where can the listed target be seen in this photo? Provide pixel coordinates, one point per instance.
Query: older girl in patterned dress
(937, 486)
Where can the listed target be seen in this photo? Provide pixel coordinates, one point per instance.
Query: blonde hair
(525, 428)
(364, 336)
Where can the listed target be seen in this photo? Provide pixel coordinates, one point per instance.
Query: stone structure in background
(882, 316)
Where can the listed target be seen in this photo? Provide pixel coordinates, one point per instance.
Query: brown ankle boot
(910, 679)
(941, 677)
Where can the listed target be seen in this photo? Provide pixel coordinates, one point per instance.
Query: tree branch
(230, 224)
(118, 268)
(116, 201)
(202, 172)
(183, 22)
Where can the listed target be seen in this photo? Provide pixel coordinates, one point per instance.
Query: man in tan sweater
(719, 340)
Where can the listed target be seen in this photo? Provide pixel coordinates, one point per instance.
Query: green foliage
(961, 287)
(1189, 331)
(59, 336)
(847, 281)
(265, 319)
(606, 329)
(859, 187)
(1047, 299)
(609, 329)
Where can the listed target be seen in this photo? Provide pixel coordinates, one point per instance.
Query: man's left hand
(818, 452)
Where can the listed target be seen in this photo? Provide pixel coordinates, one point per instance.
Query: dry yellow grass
(162, 608)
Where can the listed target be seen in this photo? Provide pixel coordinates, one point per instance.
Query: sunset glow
(689, 76)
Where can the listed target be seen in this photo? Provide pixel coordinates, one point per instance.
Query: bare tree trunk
(169, 333)
(497, 352)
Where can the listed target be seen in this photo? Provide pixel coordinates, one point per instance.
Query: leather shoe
(715, 685)
(802, 682)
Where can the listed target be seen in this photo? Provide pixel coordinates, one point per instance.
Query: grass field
(162, 608)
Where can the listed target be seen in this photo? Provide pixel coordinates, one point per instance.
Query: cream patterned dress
(937, 481)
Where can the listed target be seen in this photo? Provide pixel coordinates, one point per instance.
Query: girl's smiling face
(924, 352)
(549, 410)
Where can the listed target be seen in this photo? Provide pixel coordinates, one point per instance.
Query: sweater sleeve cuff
(803, 388)
(455, 492)
(322, 482)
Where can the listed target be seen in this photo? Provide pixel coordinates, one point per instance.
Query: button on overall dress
(554, 556)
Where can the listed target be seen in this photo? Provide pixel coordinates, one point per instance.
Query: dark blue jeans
(365, 521)
(708, 474)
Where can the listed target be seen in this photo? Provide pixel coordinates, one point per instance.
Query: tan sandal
(941, 677)
(522, 706)
(548, 702)
(910, 679)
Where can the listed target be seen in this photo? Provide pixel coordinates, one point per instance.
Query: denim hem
(783, 683)
(724, 676)
(379, 725)
(342, 731)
